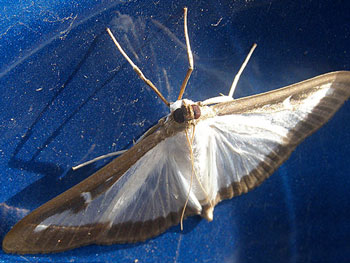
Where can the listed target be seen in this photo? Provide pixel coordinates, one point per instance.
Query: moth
(196, 156)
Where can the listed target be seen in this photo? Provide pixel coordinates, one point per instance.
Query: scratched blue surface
(67, 96)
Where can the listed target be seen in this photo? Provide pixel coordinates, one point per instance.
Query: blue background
(68, 96)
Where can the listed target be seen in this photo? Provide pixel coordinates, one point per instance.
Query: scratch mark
(25, 258)
(64, 33)
(92, 147)
(169, 33)
(178, 248)
(167, 84)
(14, 25)
(40, 46)
(58, 19)
(217, 23)
(131, 48)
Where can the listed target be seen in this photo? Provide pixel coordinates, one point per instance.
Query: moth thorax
(187, 112)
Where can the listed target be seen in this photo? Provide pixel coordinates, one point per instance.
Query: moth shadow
(56, 179)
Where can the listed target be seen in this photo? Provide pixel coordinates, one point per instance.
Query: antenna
(190, 58)
(137, 70)
(238, 75)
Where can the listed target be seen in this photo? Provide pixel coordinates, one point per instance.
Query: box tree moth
(196, 156)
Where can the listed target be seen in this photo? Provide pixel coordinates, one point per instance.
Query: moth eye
(196, 111)
(179, 115)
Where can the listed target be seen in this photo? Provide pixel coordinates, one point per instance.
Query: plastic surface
(67, 96)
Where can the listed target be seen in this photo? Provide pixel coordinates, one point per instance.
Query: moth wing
(147, 199)
(251, 137)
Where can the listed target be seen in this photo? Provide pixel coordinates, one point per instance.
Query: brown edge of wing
(56, 240)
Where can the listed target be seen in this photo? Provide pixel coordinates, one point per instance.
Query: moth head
(185, 110)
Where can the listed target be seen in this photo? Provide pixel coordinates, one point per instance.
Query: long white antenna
(238, 75)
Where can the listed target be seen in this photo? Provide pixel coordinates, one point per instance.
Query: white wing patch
(40, 227)
(87, 197)
(229, 147)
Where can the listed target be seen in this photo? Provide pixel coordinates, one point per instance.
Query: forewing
(251, 137)
(142, 203)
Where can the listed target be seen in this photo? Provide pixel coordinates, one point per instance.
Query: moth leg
(238, 75)
(136, 69)
(98, 158)
(190, 58)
